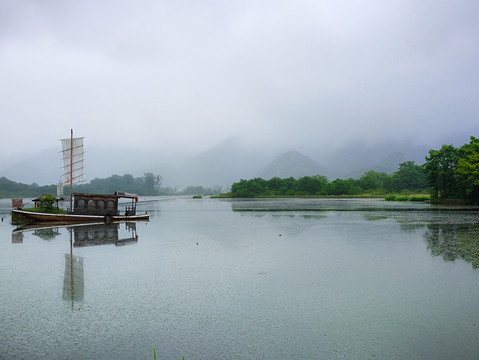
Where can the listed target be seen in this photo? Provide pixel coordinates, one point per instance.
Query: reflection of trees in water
(411, 227)
(454, 241)
(47, 234)
(409, 223)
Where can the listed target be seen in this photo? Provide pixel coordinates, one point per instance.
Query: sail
(72, 150)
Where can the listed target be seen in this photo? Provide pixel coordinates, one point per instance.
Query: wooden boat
(35, 216)
(87, 208)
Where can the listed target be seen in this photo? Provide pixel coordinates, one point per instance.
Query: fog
(150, 82)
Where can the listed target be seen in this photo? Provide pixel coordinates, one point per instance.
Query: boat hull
(33, 216)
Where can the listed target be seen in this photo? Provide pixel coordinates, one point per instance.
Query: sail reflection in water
(81, 235)
(73, 281)
(90, 235)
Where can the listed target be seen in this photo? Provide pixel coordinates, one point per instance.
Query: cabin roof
(94, 195)
(117, 194)
(125, 195)
(57, 198)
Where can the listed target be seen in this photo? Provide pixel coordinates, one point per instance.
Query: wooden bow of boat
(19, 215)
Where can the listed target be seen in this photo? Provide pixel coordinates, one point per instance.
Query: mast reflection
(73, 280)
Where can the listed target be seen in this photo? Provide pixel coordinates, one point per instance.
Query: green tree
(47, 201)
(151, 184)
(276, 186)
(468, 169)
(441, 171)
(342, 187)
(311, 185)
(409, 176)
(243, 189)
(289, 184)
(372, 180)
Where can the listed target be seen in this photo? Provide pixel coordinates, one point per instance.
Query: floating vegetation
(375, 217)
(308, 216)
(415, 198)
(453, 241)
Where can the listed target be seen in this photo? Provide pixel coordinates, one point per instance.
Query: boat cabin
(100, 204)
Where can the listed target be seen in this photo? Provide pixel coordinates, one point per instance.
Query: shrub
(47, 201)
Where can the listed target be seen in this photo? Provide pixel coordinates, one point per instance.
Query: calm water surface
(262, 279)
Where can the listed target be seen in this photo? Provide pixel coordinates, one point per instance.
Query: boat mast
(71, 171)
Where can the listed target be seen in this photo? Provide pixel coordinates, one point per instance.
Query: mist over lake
(246, 279)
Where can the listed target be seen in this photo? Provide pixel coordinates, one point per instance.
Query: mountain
(291, 164)
(391, 163)
(387, 165)
(352, 160)
(223, 164)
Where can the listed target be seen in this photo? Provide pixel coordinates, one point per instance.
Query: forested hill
(148, 184)
(12, 189)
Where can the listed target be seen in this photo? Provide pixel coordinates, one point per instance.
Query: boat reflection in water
(104, 234)
(44, 232)
(81, 235)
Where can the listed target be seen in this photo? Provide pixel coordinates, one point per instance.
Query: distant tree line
(192, 190)
(13, 189)
(450, 174)
(409, 177)
(147, 185)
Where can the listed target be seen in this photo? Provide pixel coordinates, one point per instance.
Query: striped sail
(72, 150)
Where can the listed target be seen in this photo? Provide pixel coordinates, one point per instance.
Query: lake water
(246, 279)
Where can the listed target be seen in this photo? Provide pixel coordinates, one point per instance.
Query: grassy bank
(387, 197)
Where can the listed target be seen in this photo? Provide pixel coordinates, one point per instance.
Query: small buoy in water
(279, 234)
(197, 243)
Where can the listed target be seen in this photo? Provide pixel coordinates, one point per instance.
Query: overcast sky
(169, 75)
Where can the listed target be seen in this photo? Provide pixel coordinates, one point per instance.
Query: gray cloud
(187, 74)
